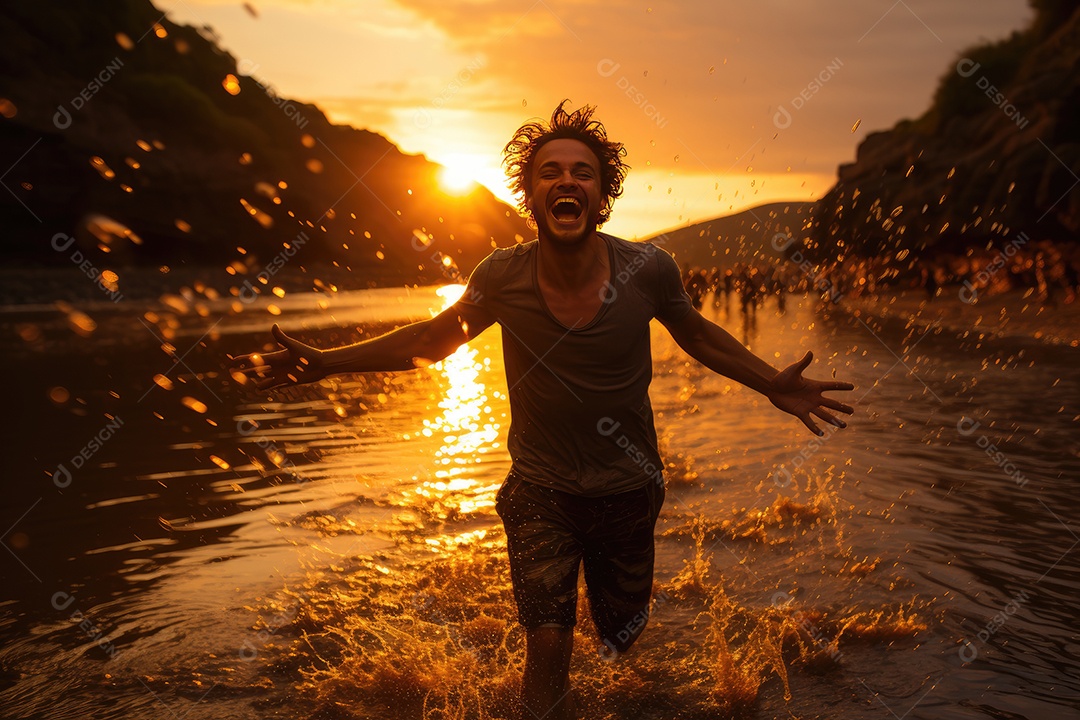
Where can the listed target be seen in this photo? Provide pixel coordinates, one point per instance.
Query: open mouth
(567, 210)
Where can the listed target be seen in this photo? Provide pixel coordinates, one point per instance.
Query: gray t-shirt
(581, 420)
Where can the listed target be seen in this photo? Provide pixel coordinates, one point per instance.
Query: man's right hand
(295, 364)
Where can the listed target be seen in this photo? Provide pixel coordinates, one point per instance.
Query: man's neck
(572, 267)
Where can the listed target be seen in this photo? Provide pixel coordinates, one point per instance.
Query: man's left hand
(802, 397)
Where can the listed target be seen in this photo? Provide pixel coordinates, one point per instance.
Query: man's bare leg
(545, 687)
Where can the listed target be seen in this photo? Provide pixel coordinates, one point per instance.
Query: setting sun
(457, 179)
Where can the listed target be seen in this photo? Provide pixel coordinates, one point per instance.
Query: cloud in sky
(698, 91)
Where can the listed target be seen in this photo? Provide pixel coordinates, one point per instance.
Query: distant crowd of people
(1049, 271)
(748, 283)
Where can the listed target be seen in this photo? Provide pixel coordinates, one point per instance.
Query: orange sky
(721, 105)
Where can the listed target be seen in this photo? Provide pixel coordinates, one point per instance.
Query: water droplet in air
(81, 323)
(103, 169)
(193, 404)
(231, 84)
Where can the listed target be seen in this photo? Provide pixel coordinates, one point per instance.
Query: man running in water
(574, 306)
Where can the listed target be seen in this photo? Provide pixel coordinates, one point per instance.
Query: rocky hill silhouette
(141, 143)
(997, 154)
(746, 237)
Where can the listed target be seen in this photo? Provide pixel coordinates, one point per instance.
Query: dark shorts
(548, 535)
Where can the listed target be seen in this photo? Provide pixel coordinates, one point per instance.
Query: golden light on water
(452, 542)
(450, 294)
(464, 426)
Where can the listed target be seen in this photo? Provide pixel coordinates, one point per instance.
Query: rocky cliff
(996, 155)
(140, 142)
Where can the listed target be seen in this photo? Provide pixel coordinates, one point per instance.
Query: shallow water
(225, 555)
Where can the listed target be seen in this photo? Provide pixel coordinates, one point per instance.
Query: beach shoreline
(1015, 314)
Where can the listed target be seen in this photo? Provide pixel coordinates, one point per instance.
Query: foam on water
(431, 633)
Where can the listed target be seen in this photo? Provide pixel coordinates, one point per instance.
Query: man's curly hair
(520, 152)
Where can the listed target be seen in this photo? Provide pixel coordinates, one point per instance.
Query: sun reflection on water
(465, 427)
(451, 542)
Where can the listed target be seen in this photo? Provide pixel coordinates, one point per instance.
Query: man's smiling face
(565, 199)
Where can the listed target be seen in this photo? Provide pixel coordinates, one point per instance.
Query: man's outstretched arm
(408, 347)
(787, 389)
